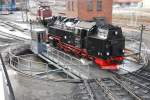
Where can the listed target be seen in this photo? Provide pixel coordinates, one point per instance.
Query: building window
(90, 5)
(69, 8)
(72, 6)
(99, 5)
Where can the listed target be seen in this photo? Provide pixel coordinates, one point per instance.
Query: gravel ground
(26, 88)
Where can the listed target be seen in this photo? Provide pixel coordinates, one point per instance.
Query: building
(7, 5)
(127, 3)
(146, 3)
(88, 9)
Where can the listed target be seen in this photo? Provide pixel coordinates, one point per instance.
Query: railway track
(115, 90)
(103, 89)
(12, 29)
(88, 90)
(12, 36)
(138, 83)
(12, 26)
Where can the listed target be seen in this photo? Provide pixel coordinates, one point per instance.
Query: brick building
(88, 9)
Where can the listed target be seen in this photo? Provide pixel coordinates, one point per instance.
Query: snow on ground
(22, 25)
(5, 37)
(15, 33)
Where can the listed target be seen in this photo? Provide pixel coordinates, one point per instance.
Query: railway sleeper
(141, 91)
(116, 90)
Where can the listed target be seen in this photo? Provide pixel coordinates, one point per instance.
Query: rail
(121, 91)
(13, 36)
(137, 84)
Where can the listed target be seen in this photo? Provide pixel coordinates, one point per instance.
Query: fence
(78, 67)
(64, 62)
(43, 70)
(7, 87)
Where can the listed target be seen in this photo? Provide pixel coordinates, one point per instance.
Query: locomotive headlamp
(107, 53)
(65, 37)
(116, 33)
(123, 50)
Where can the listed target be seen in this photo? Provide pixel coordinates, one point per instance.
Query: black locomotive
(100, 42)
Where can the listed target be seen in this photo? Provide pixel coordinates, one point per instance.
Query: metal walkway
(83, 69)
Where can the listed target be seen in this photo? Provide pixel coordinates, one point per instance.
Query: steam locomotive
(102, 43)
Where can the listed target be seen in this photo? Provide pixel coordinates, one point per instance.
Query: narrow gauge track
(13, 36)
(12, 28)
(115, 90)
(88, 90)
(103, 89)
(138, 82)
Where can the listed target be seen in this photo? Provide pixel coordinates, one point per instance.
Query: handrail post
(30, 67)
(47, 70)
(141, 40)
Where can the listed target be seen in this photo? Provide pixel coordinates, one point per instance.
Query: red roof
(126, 1)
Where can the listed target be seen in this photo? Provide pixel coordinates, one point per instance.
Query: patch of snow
(15, 33)
(22, 25)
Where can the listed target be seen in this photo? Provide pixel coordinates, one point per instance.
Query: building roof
(126, 1)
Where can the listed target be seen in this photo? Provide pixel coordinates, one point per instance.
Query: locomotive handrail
(66, 55)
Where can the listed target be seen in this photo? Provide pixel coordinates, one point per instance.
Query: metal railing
(8, 90)
(31, 68)
(66, 64)
(43, 70)
(79, 67)
(135, 37)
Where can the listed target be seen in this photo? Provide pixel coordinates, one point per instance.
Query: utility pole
(142, 28)
(22, 12)
(1, 4)
(26, 8)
